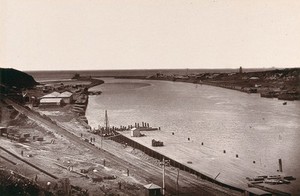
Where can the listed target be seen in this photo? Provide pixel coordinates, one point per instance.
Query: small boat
(289, 178)
(284, 103)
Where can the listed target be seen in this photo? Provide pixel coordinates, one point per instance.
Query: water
(256, 128)
(54, 75)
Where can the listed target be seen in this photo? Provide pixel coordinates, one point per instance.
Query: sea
(67, 74)
(260, 129)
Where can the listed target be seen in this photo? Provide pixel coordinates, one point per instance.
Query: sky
(149, 34)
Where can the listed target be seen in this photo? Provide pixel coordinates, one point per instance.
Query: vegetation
(14, 78)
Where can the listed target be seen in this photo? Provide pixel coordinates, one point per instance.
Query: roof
(135, 129)
(257, 191)
(152, 186)
(53, 94)
(66, 94)
(50, 100)
(49, 85)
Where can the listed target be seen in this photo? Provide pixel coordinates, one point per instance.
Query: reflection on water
(256, 128)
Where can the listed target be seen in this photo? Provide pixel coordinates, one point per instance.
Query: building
(135, 132)
(152, 190)
(26, 97)
(51, 95)
(46, 102)
(66, 96)
(56, 99)
(3, 130)
(256, 192)
(48, 87)
(241, 70)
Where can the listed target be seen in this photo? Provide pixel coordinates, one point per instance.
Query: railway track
(138, 167)
(26, 162)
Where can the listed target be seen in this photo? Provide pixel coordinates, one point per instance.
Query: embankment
(81, 102)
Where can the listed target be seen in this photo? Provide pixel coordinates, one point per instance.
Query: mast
(106, 122)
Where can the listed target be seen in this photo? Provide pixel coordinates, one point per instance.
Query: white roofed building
(51, 95)
(45, 102)
(66, 96)
(56, 98)
(135, 132)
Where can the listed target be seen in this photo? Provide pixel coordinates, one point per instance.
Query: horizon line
(146, 69)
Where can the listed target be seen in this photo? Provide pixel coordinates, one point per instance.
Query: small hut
(152, 190)
(3, 130)
(135, 132)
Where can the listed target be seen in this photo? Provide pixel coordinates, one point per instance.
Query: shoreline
(79, 108)
(267, 94)
(281, 84)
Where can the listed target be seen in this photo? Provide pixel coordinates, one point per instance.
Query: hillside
(15, 78)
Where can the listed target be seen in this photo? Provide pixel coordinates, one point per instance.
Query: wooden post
(164, 163)
(163, 191)
(177, 184)
(101, 138)
(280, 165)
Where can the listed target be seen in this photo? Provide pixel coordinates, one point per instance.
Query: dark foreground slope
(12, 183)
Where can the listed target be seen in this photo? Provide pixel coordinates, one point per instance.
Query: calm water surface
(257, 128)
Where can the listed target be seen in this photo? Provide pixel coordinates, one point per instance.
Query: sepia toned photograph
(149, 98)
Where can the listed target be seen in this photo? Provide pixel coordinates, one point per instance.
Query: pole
(101, 138)
(163, 191)
(106, 123)
(280, 165)
(177, 184)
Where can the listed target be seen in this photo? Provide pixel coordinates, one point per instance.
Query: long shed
(256, 192)
(51, 102)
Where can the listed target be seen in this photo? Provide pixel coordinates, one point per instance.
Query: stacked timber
(15, 137)
(157, 143)
(83, 118)
(276, 179)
